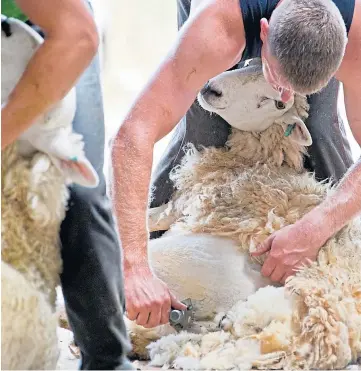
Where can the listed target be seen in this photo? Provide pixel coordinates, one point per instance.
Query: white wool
(28, 326)
(186, 363)
(166, 350)
(266, 305)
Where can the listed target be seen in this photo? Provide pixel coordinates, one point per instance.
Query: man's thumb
(263, 247)
(175, 303)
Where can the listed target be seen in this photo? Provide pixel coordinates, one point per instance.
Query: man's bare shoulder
(58, 15)
(350, 66)
(225, 15)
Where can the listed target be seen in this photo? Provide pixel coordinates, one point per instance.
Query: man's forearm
(132, 156)
(50, 74)
(339, 208)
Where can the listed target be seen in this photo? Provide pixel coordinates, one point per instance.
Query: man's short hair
(308, 38)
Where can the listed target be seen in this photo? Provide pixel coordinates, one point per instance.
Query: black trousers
(92, 281)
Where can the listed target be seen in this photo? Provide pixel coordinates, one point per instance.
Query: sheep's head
(247, 102)
(52, 132)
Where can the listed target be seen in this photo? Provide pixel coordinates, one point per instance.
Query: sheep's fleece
(35, 172)
(227, 200)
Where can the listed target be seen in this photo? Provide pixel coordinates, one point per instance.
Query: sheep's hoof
(225, 323)
(74, 350)
(221, 321)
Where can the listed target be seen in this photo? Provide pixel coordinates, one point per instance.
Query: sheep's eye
(280, 105)
(262, 101)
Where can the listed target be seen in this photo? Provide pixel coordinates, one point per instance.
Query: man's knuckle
(273, 255)
(266, 271)
(131, 316)
(145, 307)
(134, 306)
(167, 299)
(156, 303)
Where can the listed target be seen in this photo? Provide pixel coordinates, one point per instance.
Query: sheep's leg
(161, 218)
(193, 267)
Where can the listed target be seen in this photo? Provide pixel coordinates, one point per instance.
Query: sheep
(36, 170)
(227, 200)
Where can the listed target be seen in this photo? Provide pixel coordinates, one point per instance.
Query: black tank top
(330, 154)
(254, 10)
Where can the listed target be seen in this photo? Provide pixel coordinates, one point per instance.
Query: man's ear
(78, 170)
(295, 129)
(264, 30)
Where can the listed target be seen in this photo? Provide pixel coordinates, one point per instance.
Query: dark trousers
(92, 281)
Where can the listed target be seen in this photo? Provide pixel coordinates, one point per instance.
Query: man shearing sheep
(308, 47)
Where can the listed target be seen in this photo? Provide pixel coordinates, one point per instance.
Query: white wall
(139, 34)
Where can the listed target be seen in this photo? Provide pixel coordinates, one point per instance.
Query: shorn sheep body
(35, 171)
(227, 200)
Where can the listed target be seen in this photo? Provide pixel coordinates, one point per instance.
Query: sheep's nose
(205, 88)
(208, 89)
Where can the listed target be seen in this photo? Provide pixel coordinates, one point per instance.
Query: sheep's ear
(296, 130)
(79, 171)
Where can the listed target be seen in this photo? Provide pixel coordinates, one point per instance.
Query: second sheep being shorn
(227, 200)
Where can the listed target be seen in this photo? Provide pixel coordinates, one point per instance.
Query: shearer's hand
(289, 249)
(148, 299)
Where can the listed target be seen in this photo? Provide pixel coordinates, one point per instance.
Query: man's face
(271, 70)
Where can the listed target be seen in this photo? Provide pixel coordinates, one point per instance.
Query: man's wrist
(318, 225)
(135, 263)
